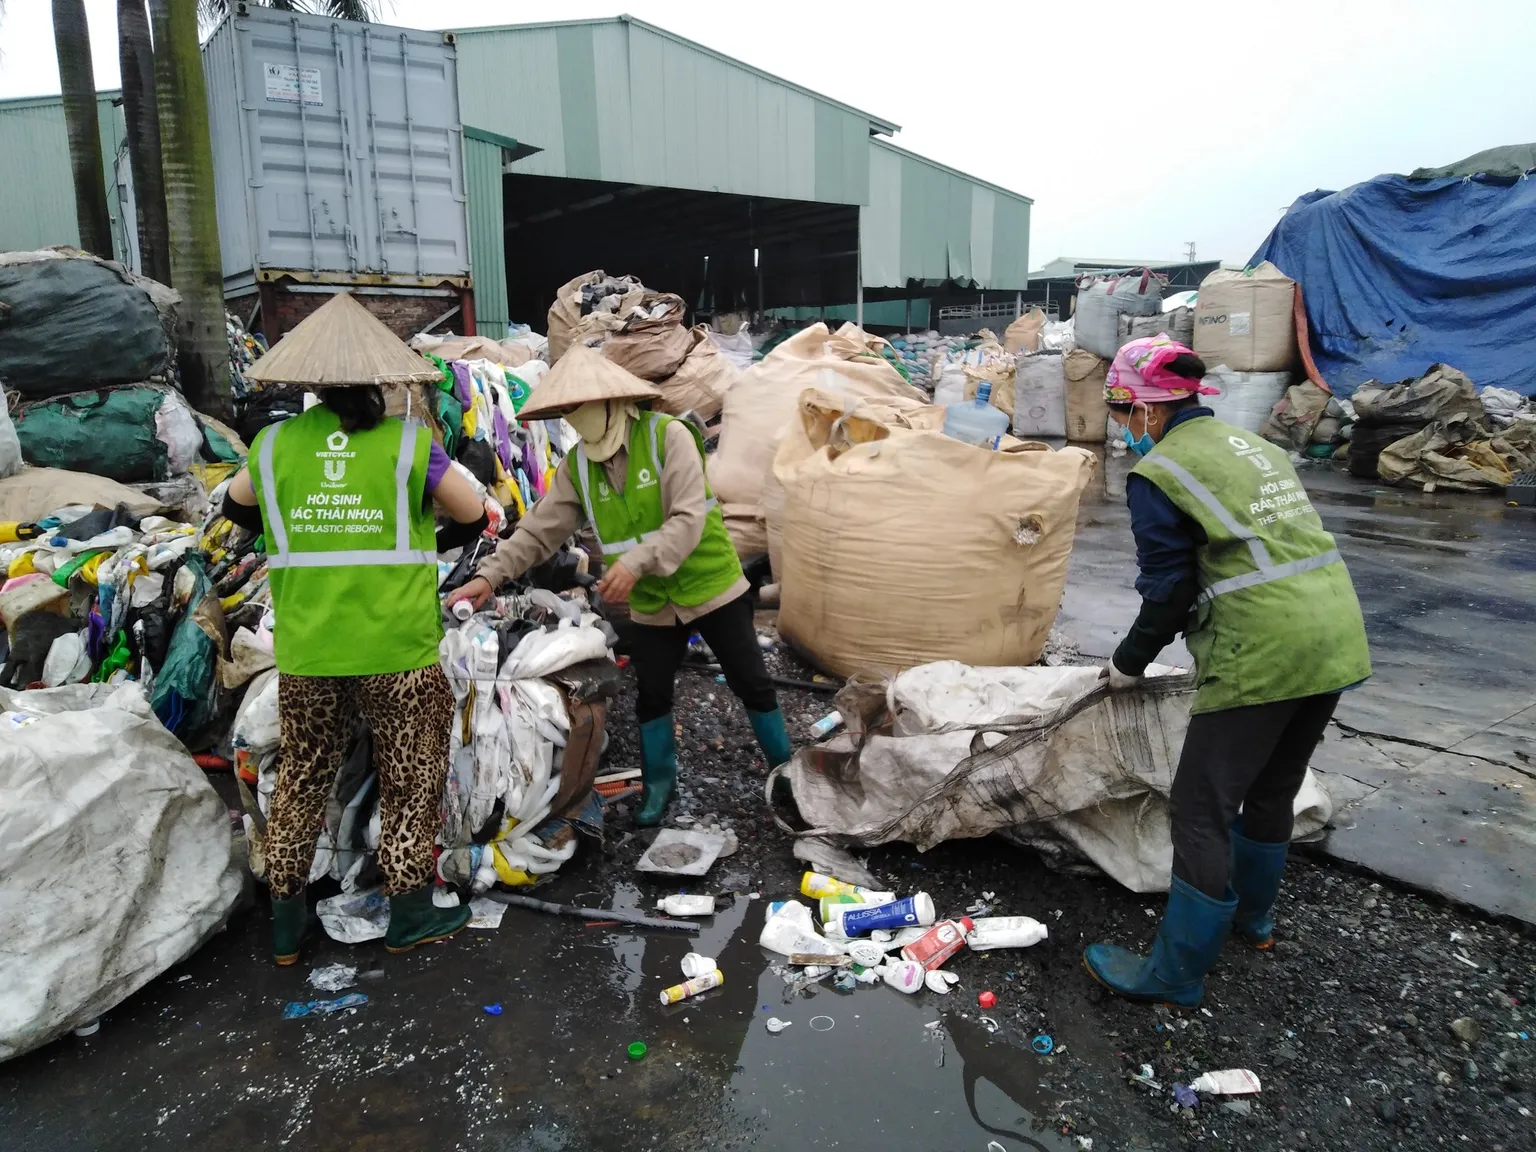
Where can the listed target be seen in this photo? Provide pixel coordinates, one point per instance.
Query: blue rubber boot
(658, 769)
(1188, 942)
(1256, 870)
(771, 735)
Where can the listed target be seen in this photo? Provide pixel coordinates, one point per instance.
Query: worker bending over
(637, 477)
(1231, 553)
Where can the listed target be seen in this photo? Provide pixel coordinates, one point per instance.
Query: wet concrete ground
(1435, 750)
(1346, 1022)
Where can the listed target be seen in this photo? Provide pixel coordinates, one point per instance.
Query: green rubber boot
(658, 767)
(290, 925)
(1193, 930)
(771, 735)
(414, 919)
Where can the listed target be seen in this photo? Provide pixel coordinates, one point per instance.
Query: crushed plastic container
(1005, 932)
(976, 421)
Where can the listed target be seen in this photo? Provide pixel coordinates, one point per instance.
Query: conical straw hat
(337, 344)
(580, 376)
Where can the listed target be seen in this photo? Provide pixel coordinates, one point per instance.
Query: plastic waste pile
(871, 937)
(110, 595)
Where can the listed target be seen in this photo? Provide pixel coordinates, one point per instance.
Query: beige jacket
(559, 515)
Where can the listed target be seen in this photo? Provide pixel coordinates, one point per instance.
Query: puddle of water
(879, 1075)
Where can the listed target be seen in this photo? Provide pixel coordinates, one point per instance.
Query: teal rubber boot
(1256, 870)
(658, 769)
(290, 925)
(1188, 942)
(414, 919)
(772, 737)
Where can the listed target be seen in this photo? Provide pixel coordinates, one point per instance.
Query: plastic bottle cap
(987, 1000)
(637, 1050)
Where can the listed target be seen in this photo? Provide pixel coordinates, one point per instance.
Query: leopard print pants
(410, 714)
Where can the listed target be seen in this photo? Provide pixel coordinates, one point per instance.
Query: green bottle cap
(637, 1050)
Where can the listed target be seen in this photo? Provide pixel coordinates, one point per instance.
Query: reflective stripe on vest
(1266, 569)
(619, 547)
(402, 553)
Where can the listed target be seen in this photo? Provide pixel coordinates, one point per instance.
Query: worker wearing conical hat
(637, 478)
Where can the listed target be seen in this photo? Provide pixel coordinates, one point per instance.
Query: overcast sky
(1136, 127)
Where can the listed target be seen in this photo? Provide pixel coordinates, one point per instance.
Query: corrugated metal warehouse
(600, 143)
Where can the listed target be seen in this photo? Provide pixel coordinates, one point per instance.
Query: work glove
(1118, 680)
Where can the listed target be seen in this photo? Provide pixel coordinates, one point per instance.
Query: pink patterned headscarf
(1140, 373)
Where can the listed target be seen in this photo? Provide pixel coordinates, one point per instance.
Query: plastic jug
(976, 421)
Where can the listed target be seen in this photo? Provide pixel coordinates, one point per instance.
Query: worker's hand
(1118, 680)
(476, 591)
(616, 583)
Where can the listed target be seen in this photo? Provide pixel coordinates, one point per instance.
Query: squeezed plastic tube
(1227, 1082)
(693, 987)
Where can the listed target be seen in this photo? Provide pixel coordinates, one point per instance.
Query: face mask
(1141, 446)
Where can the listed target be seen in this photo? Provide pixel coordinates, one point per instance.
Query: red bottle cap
(987, 1000)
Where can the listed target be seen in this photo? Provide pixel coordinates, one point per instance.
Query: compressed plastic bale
(1087, 410)
(1040, 397)
(916, 547)
(1246, 399)
(1246, 320)
(1101, 303)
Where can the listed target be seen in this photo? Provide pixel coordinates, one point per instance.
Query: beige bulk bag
(701, 381)
(826, 418)
(1023, 335)
(565, 312)
(651, 348)
(914, 547)
(1246, 320)
(760, 404)
(1087, 412)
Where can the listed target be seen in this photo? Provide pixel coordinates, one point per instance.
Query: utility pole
(1189, 252)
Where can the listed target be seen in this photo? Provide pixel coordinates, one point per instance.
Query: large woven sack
(826, 418)
(759, 406)
(1040, 397)
(1246, 320)
(1177, 324)
(1101, 303)
(651, 352)
(910, 547)
(565, 313)
(1087, 413)
(701, 381)
(134, 435)
(1023, 335)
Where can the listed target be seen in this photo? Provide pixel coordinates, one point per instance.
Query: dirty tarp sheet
(115, 857)
(1045, 756)
(1458, 454)
(1394, 279)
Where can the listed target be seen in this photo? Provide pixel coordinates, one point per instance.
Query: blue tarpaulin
(1398, 274)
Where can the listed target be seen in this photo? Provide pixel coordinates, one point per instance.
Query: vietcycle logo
(1253, 454)
(336, 456)
(645, 478)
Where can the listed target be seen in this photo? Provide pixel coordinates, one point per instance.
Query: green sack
(187, 683)
(116, 434)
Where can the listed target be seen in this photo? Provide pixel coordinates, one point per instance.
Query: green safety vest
(622, 520)
(1277, 617)
(350, 545)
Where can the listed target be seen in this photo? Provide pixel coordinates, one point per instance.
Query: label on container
(289, 84)
(1239, 323)
(937, 945)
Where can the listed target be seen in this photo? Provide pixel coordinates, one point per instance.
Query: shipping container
(338, 155)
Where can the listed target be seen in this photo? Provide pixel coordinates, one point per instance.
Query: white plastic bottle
(684, 904)
(1005, 932)
(1227, 1082)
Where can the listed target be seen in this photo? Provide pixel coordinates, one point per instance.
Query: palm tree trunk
(141, 113)
(72, 39)
(187, 152)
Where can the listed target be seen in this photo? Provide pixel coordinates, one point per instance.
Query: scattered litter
(904, 975)
(845, 982)
(866, 952)
(183, 977)
(939, 943)
(485, 914)
(775, 1025)
(685, 905)
(693, 987)
(355, 918)
(88, 1029)
(1185, 1095)
(492, 1009)
(1238, 1107)
(1145, 1079)
(333, 978)
(937, 982)
(1043, 1044)
(826, 1024)
(1464, 960)
(296, 1008)
(1005, 932)
(682, 853)
(1227, 1082)
(994, 1146)
(604, 915)
(637, 1050)
(695, 965)
(987, 1000)
(988, 1023)
(827, 725)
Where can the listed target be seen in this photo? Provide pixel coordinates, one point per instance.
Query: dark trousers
(658, 653)
(1249, 759)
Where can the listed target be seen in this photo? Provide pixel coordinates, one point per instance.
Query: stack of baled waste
(1245, 331)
